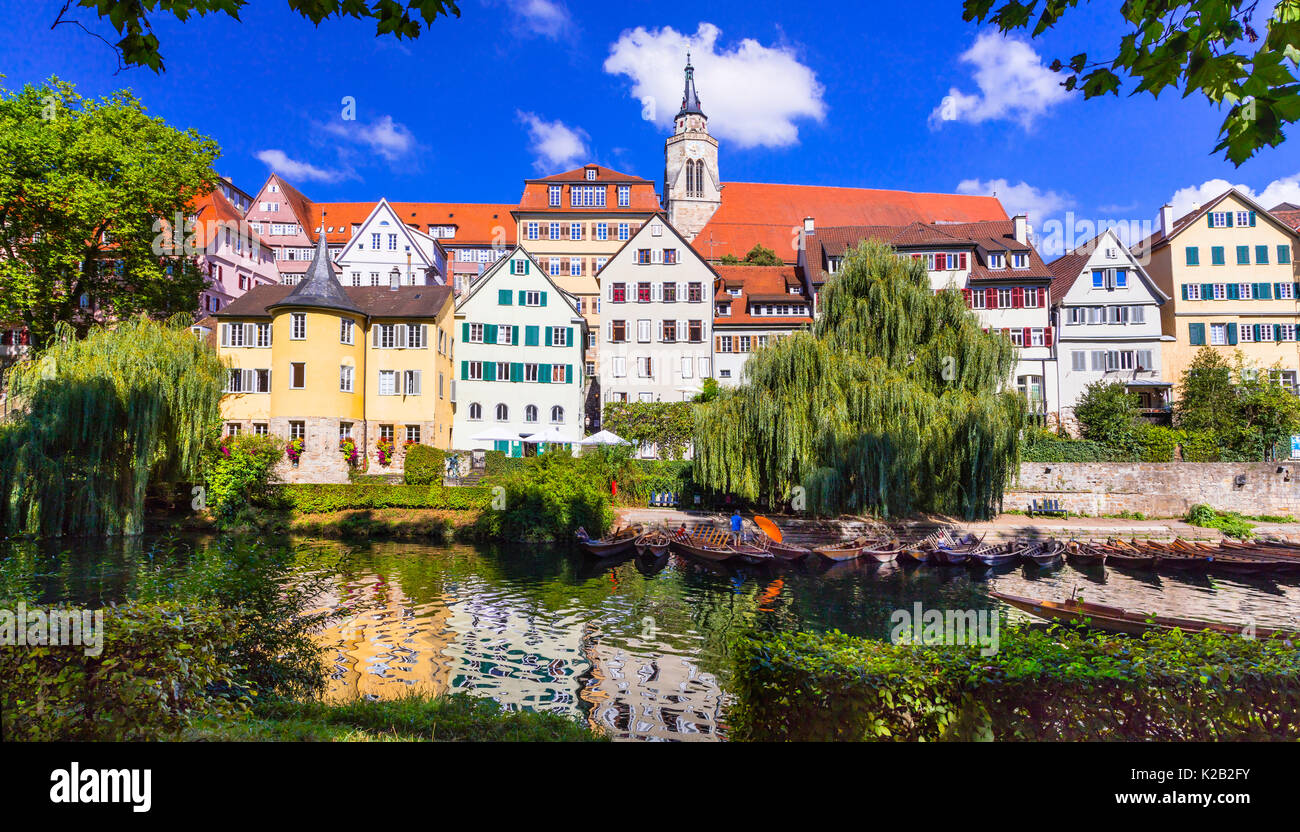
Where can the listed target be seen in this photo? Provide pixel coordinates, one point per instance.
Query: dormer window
(591, 174)
(553, 195)
(1020, 261)
(997, 261)
(833, 264)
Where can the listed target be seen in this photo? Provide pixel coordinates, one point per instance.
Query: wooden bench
(665, 500)
(1047, 507)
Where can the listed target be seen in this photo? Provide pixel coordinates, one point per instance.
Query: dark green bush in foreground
(424, 465)
(1056, 684)
(314, 499)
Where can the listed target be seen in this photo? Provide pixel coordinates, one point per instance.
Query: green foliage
(709, 389)
(84, 185)
(496, 462)
(455, 717)
(892, 404)
(424, 465)
(239, 475)
(669, 424)
(1238, 411)
(549, 498)
(1206, 399)
(1055, 684)
(102, 418)
(1044, 446)
(1157, 443)
(759, 255)
(1208, 47)
(1230, 523)
(139, 46)
(316, 498)
(149, 682)
(1108, 413)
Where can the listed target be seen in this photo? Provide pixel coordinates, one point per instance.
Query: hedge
(1054, 684)
(313, 499)
(424, 465)
(1045, 447)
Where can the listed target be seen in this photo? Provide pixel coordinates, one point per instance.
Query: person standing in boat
(737, 526)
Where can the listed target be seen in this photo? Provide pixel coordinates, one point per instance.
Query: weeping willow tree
(95, 421)
(894, 402)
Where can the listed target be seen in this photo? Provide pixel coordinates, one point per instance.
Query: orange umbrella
(769, 528)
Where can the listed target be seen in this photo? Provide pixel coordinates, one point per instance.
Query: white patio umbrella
(551, 435)
(604, 437)
(497, 434)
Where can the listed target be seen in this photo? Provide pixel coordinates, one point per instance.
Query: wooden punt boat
(1120, 620)
(992, 555)
(782, 550)
(951, 557)
(654, 543)
(715, 546)
(1043, 553)
(1119, 553)
(1085, 554)
(884, 552)
(1219, 559)
(842, 550)
(615, 544)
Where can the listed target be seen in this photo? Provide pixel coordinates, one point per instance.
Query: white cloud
(280, 162)
(753, 94)
(1013, 84)
(544, 18)
(390, 139)
(1278, 191)
(1021, 198)
(556, 145)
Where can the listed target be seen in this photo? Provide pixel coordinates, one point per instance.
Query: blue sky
(834, 94)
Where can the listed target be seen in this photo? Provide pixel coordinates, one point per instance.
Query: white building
(754, 306)
(519, 354)
(656, 335)
(1107, 311)
(385, 250)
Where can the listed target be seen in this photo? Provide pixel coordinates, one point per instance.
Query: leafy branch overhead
(1209, 46)
(139, 46)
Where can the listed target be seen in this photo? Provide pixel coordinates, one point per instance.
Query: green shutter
(1284, 254)
(568, 374)
(516, 371)
(1207, 291)
(548, 336)
(1261, 255)
(530, 336)
(489, 371)
(568, 336)
(464, 332)
(1216, 256)
(489, 333)
(1277, 332)
(1243, 255)
(1230, 215)
(1234, 291)
(464, 370)
(514, 335)
(1263, 291)
(1252, 219)
(1193, 256)
(1196, 334)
(544, 373)
(543, 298)
(522, 295)
(1184, 291)
(503, 297)
(1232, 334)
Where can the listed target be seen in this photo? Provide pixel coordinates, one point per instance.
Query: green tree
(759, 255)
(708, 391)
(894, 402)
(1206, 398)
(1108, 413)
(1208, 46)
(1267, 412)
(101, 418)
(85, 187)
(139, 46)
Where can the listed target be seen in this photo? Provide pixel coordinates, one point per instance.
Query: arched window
(557, 414)
(475, 411)
(530, 413)
(690, 178)
(503, 413)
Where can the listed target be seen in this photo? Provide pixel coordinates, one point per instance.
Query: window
(724, 343)
(411, 382)
(532, 298)
(695, 331)
(1261, 255)
(1244, 291)
(1193, 291)
(668, 332)
(575, 231)
(1031, 298)
(553, 266)
(1099, 278)
(506, 335)
(474, 370)
(997, 261)
(345, 378)
(695, 292)
(530, 413)
(645, 366)
(412, 434)
(1136, 314)
(617, 331)
(1004, 298)
(591, 368)
(260, 429)
(232, 429)
(670, 257)
(346, 325)
(1246, 333)
(374, 242)
(531, 230)
(1243, 255)
(575, 266)
(1020, 261)
(643, 293)
(392, 242)
(602, 231)
(1078, 360)
(475, 333)
(624, 231)
(298, 326)
(1219, 219)
(557, 415)
(669, 293)
(624, 196)
(475, 412)
(530, 372)
(587, 196)
(1286, 291)
(503, 413)
(1121, 278)
(386, 433)
(553, 196)
(643, 257)
(1243, 218)
(298, 430)
(978, 299)
(559, 336)
(618, 292)
(1220, 291)
(415, 338)
(297, 375)
(388, 382)
(1218, 334)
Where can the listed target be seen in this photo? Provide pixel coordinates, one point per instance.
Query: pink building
(234, 257)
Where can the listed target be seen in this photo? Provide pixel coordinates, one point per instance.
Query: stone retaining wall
(1159, 489)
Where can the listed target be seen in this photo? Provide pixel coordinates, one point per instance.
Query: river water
(636, 648)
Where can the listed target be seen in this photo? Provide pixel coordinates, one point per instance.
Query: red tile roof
(476, 223)
(373, 301)
(216, 207)
(536, 196)
(771, 215)
(758, 284)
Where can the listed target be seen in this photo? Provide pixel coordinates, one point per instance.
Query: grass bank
(450, 718)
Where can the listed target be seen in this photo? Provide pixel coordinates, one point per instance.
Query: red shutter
(991, 298)
(961, 260)
(1047, 336)
(965, 295)
(1028, 336)
(1017, 298)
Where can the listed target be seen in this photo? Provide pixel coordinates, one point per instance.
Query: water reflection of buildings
(660, 697)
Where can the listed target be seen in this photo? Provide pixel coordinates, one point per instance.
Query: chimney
(808, 225)
(1022, 228)
(394, 280)
(1166, 220)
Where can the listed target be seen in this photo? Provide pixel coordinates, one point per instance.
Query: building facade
(518, 359)
(283, 217)
(234, 257)
(656, 334)
(322, 363)
(384, 251)
(1107, 312)
(754, 306)
(1229, 268)
(692, 184)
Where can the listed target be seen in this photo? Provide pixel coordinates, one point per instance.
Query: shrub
(496, 462)
(1108, 413)
(670, 425)
(424, 465)
(1230, 523)
(548, 498)
(149, 682)
(1058, 684)
(240, 473)
(1157, 443)
(314, 498)
(1044, 446)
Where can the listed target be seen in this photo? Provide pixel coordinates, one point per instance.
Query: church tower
(692, 188)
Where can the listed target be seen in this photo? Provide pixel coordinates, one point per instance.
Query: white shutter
(401, 336)
(250, 335)
(681, 292)
(705, 369)
(656, 291)
(225, 335)
(414, 384)
(424, 336)
(686, 366)
(374, 335)
(682, 332)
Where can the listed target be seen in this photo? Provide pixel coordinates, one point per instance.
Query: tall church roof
(319, 287)
(690, 100)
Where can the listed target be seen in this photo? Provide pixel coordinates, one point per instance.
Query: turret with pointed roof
(319, 287)
(690, 100)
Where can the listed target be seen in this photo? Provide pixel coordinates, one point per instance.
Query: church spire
(690, 100)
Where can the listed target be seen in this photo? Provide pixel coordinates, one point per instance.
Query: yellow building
(323, 363)
(1230, 268)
